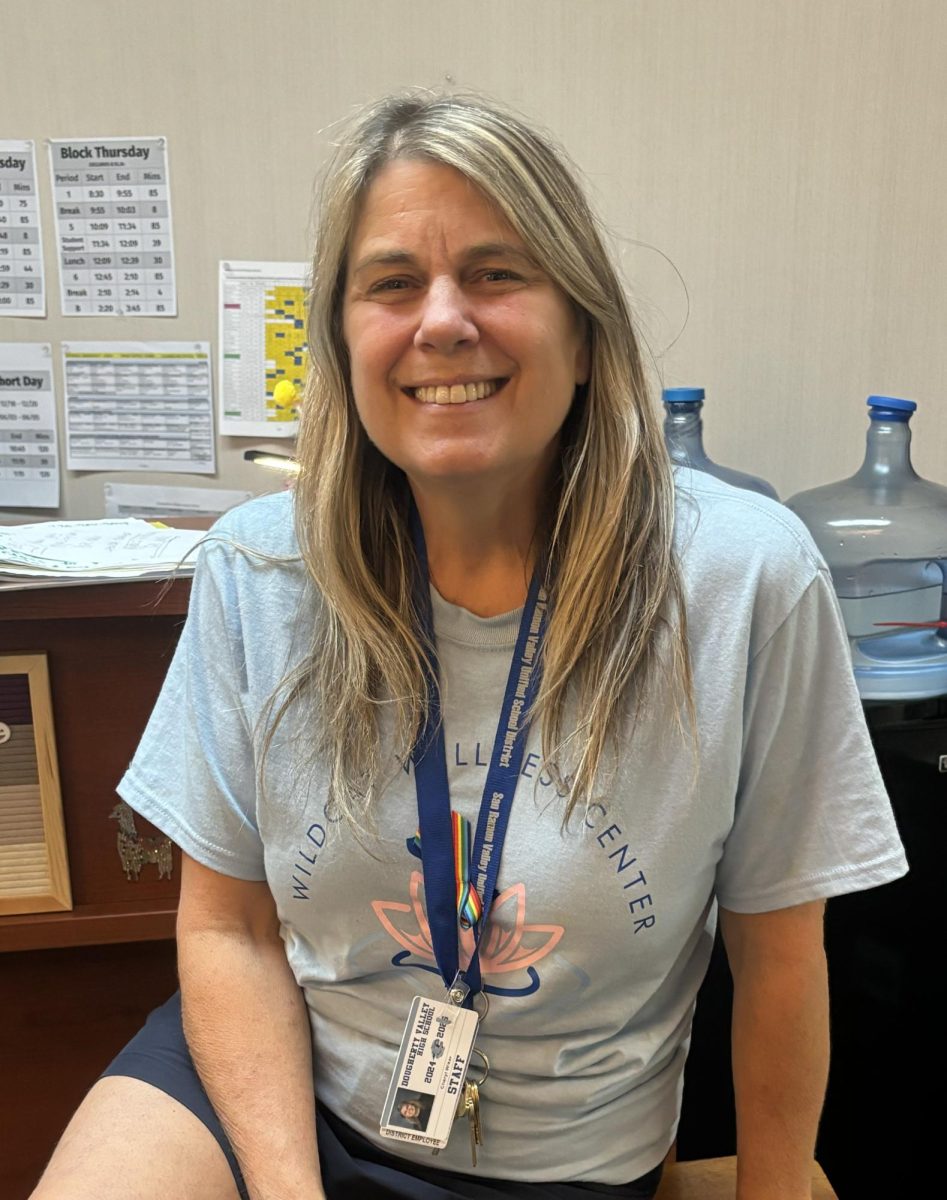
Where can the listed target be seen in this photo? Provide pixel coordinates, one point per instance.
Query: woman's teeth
(458, 393)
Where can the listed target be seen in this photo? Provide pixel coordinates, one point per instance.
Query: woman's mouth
(455, 393)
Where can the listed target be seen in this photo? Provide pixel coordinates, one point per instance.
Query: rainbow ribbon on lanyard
(469, 904)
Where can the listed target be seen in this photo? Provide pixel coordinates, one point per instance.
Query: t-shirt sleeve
(812, 817)
(194, 773)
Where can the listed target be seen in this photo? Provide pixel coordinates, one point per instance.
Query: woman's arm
(248, 1031)
(780, 1046)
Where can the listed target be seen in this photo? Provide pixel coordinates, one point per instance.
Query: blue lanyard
(430, 775)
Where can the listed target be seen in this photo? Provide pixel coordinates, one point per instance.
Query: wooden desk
(74, 986)
(716, 1179)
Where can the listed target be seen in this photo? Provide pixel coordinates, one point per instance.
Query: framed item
(34, 873)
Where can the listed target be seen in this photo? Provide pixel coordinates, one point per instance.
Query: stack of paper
(93, 551)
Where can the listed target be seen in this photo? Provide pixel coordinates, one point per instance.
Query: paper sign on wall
(262, 347)
(138, 406)
(29, 455)
(22, 286)
(112, 201)
(147, 501)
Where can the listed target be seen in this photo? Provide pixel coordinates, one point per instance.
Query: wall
(785, 159)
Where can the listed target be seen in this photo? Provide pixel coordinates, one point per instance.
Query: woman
(477, 438)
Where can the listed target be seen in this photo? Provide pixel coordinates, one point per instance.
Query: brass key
(469, 1107)
(471, 1110)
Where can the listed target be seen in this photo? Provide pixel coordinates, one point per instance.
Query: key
(472, 1112)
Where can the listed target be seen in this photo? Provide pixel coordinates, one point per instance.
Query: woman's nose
(447, 318)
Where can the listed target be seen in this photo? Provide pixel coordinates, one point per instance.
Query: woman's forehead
(411, 202)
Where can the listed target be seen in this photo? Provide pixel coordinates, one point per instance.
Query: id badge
(428, 1080)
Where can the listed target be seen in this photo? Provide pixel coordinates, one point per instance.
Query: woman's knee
(130, 1141)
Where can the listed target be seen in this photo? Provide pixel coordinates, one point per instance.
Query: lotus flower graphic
(510, 944)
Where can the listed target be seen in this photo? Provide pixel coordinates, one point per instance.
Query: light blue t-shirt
(600, 935)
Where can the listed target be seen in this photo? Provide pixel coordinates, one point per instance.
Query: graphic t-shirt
(600, 932)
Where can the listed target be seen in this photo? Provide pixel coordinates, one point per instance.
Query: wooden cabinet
(75, 985)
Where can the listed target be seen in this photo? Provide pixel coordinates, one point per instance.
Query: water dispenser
(883, 533)
(684, 438)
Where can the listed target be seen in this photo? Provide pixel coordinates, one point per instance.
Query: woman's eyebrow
(476, 253)
(385, 258)
(497, 250)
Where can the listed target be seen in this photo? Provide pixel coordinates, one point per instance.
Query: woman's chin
(461, 470)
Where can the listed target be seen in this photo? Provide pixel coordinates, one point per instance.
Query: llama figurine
(135, 850)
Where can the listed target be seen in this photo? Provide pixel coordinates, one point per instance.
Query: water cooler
(883, 533)
(684, 438)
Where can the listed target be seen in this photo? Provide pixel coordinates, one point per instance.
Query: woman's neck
(480, 545)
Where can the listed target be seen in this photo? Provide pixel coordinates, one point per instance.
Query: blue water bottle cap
(891, 404)
(682, 395)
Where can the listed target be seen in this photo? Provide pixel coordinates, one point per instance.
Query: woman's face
(464, 355)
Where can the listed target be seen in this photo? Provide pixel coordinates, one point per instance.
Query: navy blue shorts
(158, 1054)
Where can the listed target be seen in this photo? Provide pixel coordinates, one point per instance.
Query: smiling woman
(454, 246)
(465, 355)
(486, 548)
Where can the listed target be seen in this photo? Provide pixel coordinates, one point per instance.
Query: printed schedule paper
(22, 288)
(29, 470)
(138, 406)
(262, 343)
(150, 501)
(112, 202)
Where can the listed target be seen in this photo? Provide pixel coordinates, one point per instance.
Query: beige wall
(786, 156)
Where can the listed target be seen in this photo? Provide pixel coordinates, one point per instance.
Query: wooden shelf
(108, 646)
(141, 598)
(87, 925)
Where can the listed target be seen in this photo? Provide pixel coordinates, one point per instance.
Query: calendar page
(112, 202)
(262, 344)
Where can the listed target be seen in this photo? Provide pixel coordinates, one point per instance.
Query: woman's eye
(499, 275)
(390, 285)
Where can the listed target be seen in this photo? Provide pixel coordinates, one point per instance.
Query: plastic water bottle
(883, 533)
(684, 438)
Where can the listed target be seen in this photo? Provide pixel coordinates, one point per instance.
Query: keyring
(486, 1066)
(486, 1006)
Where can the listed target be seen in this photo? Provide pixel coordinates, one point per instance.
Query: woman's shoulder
(737, 549)
(251, 552)
(263, 526)
(716, 523)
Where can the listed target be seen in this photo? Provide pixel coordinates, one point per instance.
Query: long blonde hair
(617, 605)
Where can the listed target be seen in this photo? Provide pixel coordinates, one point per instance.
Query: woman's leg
(131, 1141)
(146, 1130)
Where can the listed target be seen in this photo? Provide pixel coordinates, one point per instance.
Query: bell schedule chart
(112, 202)
(29, 459)
(22, 291)
(139, 406)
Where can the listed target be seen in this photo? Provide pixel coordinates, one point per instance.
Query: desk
(74, 986)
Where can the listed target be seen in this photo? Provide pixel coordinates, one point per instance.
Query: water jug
(883, 533)
(683, 435)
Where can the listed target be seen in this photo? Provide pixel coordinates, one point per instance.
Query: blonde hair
(614, 584)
